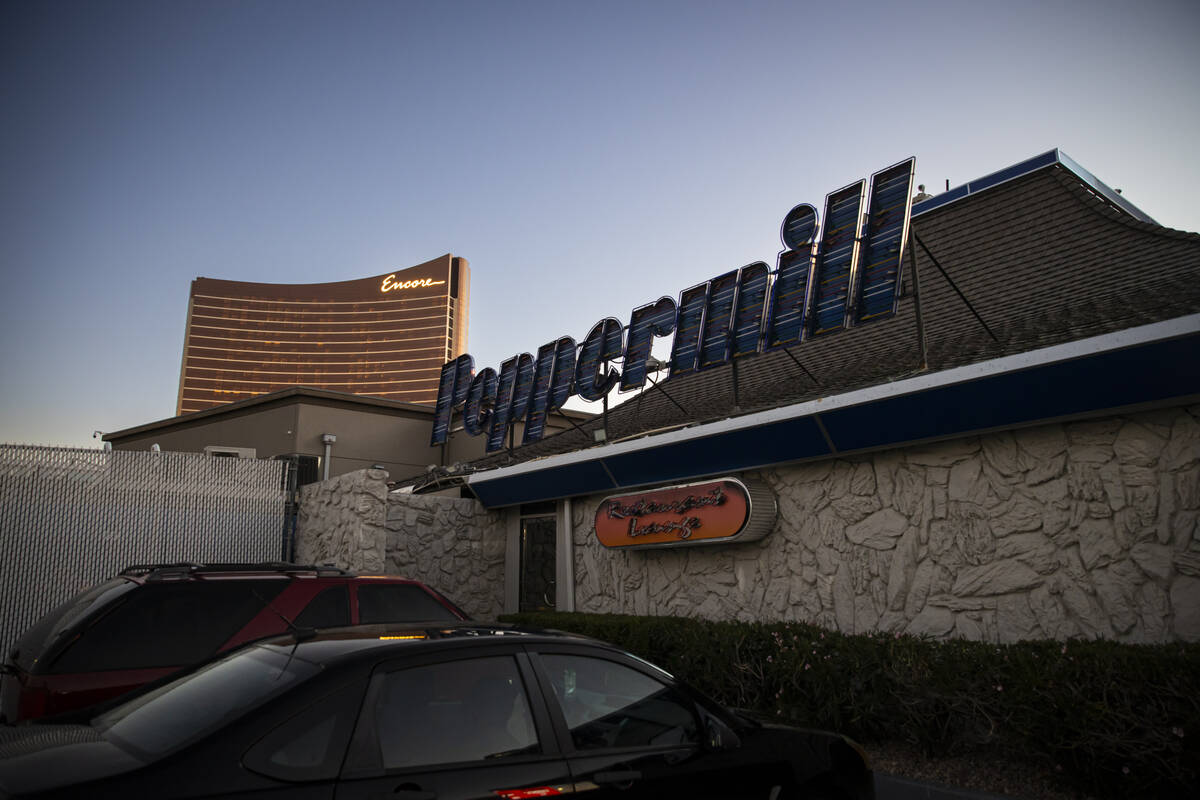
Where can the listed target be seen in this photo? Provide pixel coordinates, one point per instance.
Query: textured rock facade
(341, 521)
(453, 545)
(1081, 529)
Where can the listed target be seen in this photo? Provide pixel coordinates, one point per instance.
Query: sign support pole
(912, 258)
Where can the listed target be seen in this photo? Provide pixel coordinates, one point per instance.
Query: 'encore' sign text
(390, 284)
(847, 275)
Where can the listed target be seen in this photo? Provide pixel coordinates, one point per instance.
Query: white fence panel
(70, 518)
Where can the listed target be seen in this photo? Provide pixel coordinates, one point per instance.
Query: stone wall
(1084, 529)
(341, 522)
(453, 545)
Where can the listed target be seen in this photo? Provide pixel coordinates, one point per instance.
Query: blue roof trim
(735, 450)
(1146, 374)
(563, 481)
(790, 440)
(1034, 164)
(1164, 370)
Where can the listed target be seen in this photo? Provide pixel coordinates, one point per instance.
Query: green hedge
(1112, 719)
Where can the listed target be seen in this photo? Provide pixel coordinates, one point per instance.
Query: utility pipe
(327, 439)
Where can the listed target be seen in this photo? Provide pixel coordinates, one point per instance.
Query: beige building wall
(370, 432)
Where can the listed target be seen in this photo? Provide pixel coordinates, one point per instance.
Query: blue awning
(1152, 365)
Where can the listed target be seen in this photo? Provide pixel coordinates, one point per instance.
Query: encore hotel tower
(385, 336)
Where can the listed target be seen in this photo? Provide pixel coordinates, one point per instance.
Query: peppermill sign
(715, 512)
(827, 279)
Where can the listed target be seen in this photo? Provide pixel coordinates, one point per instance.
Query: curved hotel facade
(385, 336)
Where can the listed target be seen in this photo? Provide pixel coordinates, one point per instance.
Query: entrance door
(537, 583)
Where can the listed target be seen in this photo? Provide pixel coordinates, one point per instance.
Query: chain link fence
(70, 518)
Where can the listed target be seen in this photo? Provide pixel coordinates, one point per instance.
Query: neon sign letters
(390, 284)
(683, 527)
(715, 512)
(826, 279)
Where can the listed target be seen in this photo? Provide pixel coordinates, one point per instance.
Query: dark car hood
(32, 757)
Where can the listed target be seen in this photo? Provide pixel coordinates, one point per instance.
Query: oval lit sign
(714, 512)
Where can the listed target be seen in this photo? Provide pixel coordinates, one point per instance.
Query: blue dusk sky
(585, 158)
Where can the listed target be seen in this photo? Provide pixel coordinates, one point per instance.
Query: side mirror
(719, 737)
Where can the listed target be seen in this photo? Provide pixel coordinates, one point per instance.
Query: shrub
(1113, 719)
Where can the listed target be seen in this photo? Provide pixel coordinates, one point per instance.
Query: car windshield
(198, 703)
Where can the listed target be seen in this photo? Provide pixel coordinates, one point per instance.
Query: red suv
(152, 620)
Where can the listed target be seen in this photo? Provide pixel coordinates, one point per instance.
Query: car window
(329, 609)
(451, 712)
(168, 625)
(43, 634)
(310, 745)
(200, 702)
(607, 704)
(399, 602)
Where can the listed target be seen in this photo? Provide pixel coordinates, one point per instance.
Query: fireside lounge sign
(715, 512)
(847, 275)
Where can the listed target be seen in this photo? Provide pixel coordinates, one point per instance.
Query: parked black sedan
(418, 713)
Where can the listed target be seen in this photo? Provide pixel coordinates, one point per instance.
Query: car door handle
(617, 776)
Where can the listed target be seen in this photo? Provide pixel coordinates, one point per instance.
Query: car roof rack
(142, 570)
(184, 569)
